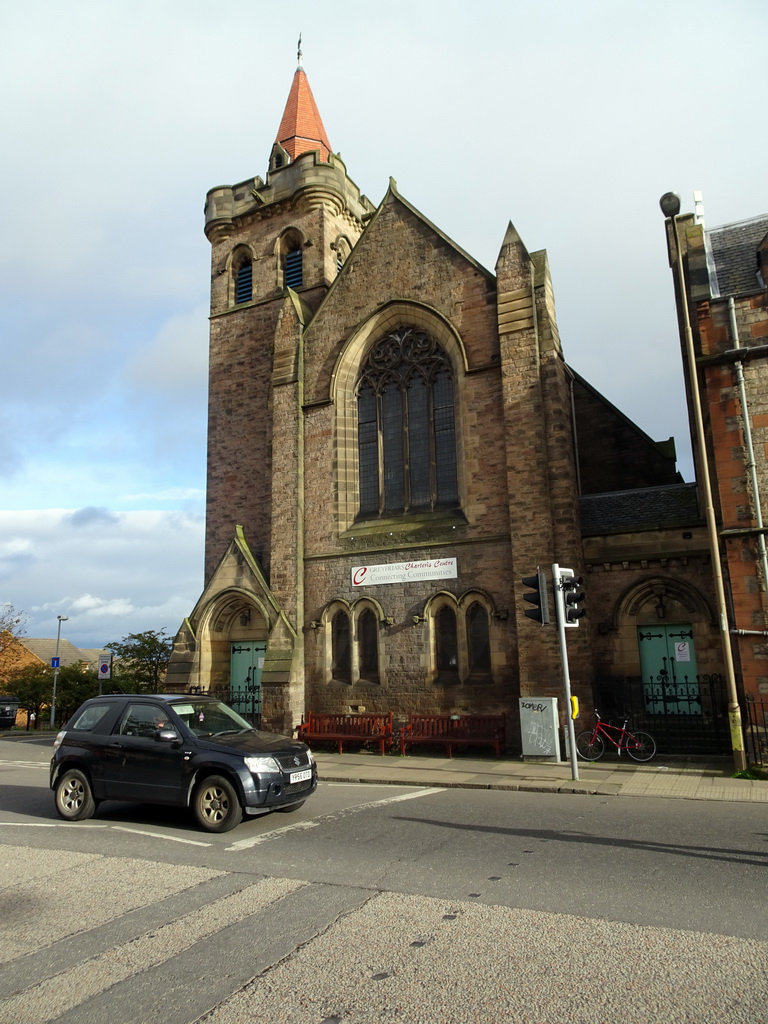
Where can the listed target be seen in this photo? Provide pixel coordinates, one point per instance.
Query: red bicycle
(592, 744)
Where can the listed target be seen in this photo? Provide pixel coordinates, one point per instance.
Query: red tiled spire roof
(301, 129)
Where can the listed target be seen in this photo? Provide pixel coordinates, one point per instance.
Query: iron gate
(696, 726)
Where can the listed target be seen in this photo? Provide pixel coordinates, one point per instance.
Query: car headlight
(58, 741)
(261, 764)
(310, 757)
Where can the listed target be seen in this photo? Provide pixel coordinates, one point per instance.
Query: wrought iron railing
(687, 716)
(755, 722)
(245, 700)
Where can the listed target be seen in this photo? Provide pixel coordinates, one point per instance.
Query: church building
(395, 441)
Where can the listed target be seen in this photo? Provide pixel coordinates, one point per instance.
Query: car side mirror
(166, 735)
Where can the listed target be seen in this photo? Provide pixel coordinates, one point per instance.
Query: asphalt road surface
(385, 904)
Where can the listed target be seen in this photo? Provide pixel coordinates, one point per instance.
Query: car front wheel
(216, 805)
(74, 796)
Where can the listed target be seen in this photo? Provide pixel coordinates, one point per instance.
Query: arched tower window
(478, 639)
(446, 642)
(243, 279)
(341, 662)
(368, 646)
(406, 426)
(292, 268)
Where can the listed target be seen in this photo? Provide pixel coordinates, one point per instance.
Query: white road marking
(49, 824)
(26, 764)
(159, 835)
(244, 844)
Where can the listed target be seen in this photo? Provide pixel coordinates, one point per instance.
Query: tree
(141, 660)
(74, 685)
(11, 628)
(33, 688)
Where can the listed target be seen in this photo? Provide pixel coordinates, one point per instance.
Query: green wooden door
(246, 665)
(668, 667)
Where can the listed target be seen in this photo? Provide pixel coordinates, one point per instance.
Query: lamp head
(670, 204)
(63, 618)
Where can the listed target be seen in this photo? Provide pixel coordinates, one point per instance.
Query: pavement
(681, 779)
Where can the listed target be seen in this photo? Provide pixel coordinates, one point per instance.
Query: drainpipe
(739, 366)
(670, 207)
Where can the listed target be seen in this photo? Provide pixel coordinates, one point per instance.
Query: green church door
(668, 667)
(246, 665)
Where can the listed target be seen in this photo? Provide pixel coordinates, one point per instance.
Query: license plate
(300, 776)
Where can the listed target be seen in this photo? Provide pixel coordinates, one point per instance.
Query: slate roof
(301, 129)
(650, 508)
(734, 253)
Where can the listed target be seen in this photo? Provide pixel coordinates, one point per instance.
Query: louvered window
(293, 269)
(406, 426)
(244, 283)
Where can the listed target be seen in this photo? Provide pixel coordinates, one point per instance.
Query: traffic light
(568, 597)
(537, 595)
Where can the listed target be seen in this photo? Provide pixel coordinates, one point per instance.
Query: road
(382, 903)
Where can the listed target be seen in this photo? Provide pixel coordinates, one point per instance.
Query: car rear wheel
(74, 796)
(216, 805)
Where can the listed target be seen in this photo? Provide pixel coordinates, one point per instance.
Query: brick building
(725, 270)
(395, 440)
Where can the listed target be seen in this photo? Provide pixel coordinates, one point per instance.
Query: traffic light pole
(560, 616)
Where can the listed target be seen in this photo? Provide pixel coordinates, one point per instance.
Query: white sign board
(105, 666)
(539, 727)
(683, 651)
(404, 572)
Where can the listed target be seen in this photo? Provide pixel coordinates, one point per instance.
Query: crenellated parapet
(308, 183)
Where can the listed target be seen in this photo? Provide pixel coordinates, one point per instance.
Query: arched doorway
(236, 633)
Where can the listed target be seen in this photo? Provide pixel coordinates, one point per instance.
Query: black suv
(180, 749)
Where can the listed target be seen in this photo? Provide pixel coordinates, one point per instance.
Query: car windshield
(210, 718)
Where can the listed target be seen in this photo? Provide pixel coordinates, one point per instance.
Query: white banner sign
(404, 572)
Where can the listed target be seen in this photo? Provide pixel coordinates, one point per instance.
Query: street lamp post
(61, 618)
(670, 207)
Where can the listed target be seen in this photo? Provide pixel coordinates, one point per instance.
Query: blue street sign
(55, 662)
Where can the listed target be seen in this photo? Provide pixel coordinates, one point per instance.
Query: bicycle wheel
(590, 745)
(640, 746)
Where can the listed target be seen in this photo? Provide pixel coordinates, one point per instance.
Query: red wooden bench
(362, 728)
(454, 731)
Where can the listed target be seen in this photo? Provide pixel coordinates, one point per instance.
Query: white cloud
(125, 573)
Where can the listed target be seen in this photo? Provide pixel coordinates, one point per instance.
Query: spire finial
(299, 54)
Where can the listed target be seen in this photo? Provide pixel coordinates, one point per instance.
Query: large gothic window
(406, 431)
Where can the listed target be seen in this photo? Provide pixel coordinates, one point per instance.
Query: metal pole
(566, 672)
(734, 711)
(61, 618)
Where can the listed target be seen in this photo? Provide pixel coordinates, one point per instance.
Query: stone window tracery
(406, 426)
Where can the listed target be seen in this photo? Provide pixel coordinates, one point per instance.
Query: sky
(568, 119)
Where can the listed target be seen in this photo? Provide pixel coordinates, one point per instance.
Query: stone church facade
(395, 441)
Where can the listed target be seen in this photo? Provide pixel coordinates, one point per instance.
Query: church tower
(277, 246)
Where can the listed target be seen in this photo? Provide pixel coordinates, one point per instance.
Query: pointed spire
(301, 129)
